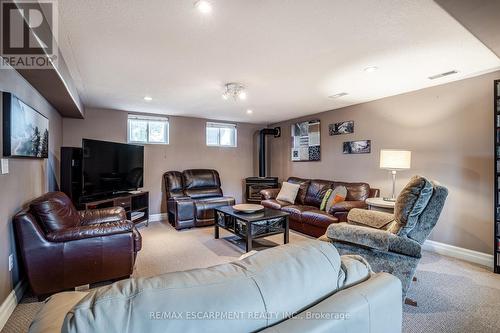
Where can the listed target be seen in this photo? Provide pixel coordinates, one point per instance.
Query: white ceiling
(289, 54)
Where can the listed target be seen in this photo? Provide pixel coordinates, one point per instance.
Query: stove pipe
(276, 132)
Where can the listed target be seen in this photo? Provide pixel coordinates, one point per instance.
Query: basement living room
(249, 166)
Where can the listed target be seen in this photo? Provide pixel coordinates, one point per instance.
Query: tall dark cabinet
(497, 178)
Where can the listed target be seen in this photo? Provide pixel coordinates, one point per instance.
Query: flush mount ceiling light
(203, 6)
(249, 111)
(234, 90)
(148, 98)
(338, 95)
(370, 69)
(440, 75)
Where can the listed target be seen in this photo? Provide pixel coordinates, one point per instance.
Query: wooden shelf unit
(132, 203)
(496, 153)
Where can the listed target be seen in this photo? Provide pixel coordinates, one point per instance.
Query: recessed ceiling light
(370, 69)
(203, 6)
(249, 111)
(148, 98)
(338, 95)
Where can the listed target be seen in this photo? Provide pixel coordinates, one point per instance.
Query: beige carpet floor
(453, 296)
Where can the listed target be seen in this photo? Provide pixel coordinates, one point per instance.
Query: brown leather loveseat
(62, 248)
(192, 196)
(305, 215)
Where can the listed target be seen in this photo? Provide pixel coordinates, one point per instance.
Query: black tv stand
(136, 205)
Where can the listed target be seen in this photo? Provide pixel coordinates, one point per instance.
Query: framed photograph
(25, 131)
(306, 141)
(358, 147)
(344, 127)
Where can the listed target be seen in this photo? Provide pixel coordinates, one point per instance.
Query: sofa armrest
(346, 206)
(359, 235)
(90, 231)
(269, 193)
(102, 215)
(369, 218)
(372, 238)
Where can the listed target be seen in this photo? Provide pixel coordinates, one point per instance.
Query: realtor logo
(28, 34)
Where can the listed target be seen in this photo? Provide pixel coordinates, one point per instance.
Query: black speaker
(71, 173)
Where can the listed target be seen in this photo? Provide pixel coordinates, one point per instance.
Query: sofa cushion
(410, 203)
(355, 191)
(288, 192)
(338, 195)
(174, 184)
(304, 185)
(325, 199)
(201, 183)
(55, 212)
(296, 211)
(316, 191)
(274, 204)
(318, 218)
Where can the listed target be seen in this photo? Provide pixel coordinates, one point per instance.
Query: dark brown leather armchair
(62, 248)
(192, 196)
(305, 215)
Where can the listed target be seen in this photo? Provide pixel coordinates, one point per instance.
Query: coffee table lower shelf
(266, 223)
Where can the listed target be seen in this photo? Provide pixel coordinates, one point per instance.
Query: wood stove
(254, 185)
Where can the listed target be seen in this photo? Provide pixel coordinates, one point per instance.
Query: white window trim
(222, 125)
(148, 118)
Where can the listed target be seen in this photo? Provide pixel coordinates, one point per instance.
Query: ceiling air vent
(338, 95)
(437, 76)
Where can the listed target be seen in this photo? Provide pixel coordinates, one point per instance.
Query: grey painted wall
(448, 128)
(28, 178)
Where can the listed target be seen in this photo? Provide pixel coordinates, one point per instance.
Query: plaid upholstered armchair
(393, 242)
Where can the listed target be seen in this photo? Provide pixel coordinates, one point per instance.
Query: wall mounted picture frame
(357, 147)
(25, 130)
(343, 127)
(306, 141)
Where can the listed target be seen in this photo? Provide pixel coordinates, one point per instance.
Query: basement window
(221, 135)
(147, 129)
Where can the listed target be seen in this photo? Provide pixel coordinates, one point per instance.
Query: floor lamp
(394, 160)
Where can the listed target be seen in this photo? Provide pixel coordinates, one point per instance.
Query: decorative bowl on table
(248, 208)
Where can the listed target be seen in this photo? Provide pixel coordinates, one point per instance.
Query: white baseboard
(476, 257)
(158, 217)
(10, 303)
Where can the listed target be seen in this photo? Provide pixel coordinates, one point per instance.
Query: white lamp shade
(391, 159)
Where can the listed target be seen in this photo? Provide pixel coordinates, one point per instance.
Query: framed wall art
(306, 141)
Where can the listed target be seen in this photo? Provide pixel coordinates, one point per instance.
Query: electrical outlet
(11, 262)
(5, 166)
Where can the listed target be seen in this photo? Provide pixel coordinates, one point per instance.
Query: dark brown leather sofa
(62, 248)
(305, 215)
(192, 196)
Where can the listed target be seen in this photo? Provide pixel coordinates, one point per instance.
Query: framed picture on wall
(357, 147)
(25, 131)
(344, 127)
(306, 141)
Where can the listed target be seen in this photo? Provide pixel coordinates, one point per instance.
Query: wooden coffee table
(252, 226)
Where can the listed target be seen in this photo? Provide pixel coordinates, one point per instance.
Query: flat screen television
(110, 167)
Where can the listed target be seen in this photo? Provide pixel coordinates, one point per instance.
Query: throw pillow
(288, 192)
(410, 203)
(325, 199)
(338, 195)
